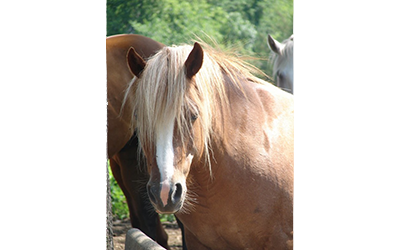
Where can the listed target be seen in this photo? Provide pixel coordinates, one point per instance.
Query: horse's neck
(245, 159)
(244, 129)
(241, 118)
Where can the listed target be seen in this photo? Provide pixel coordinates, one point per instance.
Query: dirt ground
(120, 227)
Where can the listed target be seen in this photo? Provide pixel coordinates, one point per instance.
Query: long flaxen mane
(163, 92)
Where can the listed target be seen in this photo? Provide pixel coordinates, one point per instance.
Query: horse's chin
(168, 209)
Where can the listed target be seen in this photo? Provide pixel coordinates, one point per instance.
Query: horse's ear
(135, 62)
(274, 45)
(194, 61)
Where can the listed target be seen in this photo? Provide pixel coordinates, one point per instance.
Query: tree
(242, 24)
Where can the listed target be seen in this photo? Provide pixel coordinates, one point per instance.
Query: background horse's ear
(274, 45)
(194, 61)
(135, 62)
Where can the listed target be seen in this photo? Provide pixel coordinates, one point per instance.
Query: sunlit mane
(164, 92)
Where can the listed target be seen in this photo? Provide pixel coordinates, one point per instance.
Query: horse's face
(171, 150)
(169, 166)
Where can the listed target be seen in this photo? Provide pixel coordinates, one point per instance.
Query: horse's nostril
(177, 192)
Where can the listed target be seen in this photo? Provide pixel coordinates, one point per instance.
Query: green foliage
(120, 208)
(242, 24)
(167, 217)
(178, 22)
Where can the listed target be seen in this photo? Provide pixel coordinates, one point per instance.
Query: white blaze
(165, 157)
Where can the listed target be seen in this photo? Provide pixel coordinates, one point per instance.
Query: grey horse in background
(282, 61)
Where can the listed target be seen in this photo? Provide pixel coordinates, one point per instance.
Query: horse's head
(167, 112)
(283, 62)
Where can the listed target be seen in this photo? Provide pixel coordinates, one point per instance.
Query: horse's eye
(194, 117)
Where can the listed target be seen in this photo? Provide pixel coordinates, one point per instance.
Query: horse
(121, 142)
(219, 146)
(282, 59)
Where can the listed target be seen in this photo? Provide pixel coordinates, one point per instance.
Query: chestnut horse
(122, 143)
(282, 60)
(219, 147)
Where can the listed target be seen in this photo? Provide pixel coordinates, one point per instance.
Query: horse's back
(144, 46)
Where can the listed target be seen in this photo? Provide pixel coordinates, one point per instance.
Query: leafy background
(240, 24)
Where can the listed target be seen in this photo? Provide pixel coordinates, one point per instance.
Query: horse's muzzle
(166, 197)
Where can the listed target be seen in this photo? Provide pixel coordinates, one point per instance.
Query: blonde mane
(163, 92)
